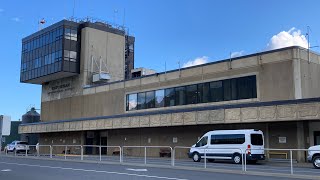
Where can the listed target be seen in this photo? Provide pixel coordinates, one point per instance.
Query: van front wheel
(196, 157)
(236, 158)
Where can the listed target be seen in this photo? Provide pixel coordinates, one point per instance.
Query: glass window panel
(191, 94)
(169, 97)
(66, 53)
(216, 91)
(150, 99)
(67, 33)
(245, 88)
(141, 100)
(180, 96)
(132, 103)
(204, 93)
(73, 55)
(159, 98)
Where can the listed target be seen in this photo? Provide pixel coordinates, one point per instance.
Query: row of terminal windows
(41, 61)
(49, 37)
(223, 90)
(43, 39)
(44, 54)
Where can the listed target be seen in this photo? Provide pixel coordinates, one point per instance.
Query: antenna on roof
(124, 17)
(74, 5)
(115, 12)
(309, 47)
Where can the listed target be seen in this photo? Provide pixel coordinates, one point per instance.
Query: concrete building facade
(275, 91)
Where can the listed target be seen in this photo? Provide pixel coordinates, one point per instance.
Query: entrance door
(316, 136)
(103, 142)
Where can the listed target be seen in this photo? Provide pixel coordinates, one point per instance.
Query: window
(73, 35)
(132, 102)
(191, 94)
(247, 87)
(159, 99)
(216, 91)
(73, 56)
(230, 89)
(203, 93)
(141, 100)
(67, 33)
(228, 139)
(180, 96)
(224, 90)
(66, 55)
(256, 139)
(169, 97)
(150, 99)
(202, 142)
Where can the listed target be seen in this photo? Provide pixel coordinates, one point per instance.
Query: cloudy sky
(184, 32)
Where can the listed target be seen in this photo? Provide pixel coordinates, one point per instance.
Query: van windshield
(256, 139)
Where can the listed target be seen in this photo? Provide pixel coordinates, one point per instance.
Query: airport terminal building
(91, 97)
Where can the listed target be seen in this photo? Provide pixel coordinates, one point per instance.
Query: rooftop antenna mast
(115, 12)
(74, 5)
(309, 47)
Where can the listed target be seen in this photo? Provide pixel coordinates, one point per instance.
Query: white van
(229, 144)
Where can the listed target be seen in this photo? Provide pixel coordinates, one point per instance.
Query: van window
(228, 139)
(24, 143)
(203, 141)
(256, 139)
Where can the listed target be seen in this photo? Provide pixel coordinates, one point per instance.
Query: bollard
(81, 152)
(205, 158)
(120, 154)
(172, 156)
(291, 164)
(100, 152)
(26, 151)
(51, 151)
(145, 155)
(65, 152)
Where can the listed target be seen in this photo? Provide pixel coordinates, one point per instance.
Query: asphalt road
(266, 167)
(12, 168)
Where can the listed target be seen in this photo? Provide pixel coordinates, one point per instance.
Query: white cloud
(196, 61)
(293, 37)
(16, 19)
(237, 54)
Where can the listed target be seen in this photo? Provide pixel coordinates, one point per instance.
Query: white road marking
(6, 170)
(89, 170)
(138, 170)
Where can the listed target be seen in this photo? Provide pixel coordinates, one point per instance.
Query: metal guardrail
(48, 151)
(145, 151)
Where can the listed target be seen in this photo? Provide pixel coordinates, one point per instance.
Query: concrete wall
(107, 46)
(267, 113)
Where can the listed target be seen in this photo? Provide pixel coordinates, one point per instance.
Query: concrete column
(266, 137)
(300, 142)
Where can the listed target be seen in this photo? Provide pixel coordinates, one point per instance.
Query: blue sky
(165, 30)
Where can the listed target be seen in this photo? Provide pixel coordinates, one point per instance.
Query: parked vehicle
(18, 146)
(230, 144)
(314, 156)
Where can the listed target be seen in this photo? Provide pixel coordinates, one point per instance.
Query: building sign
(282, 140)
(60, 88)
